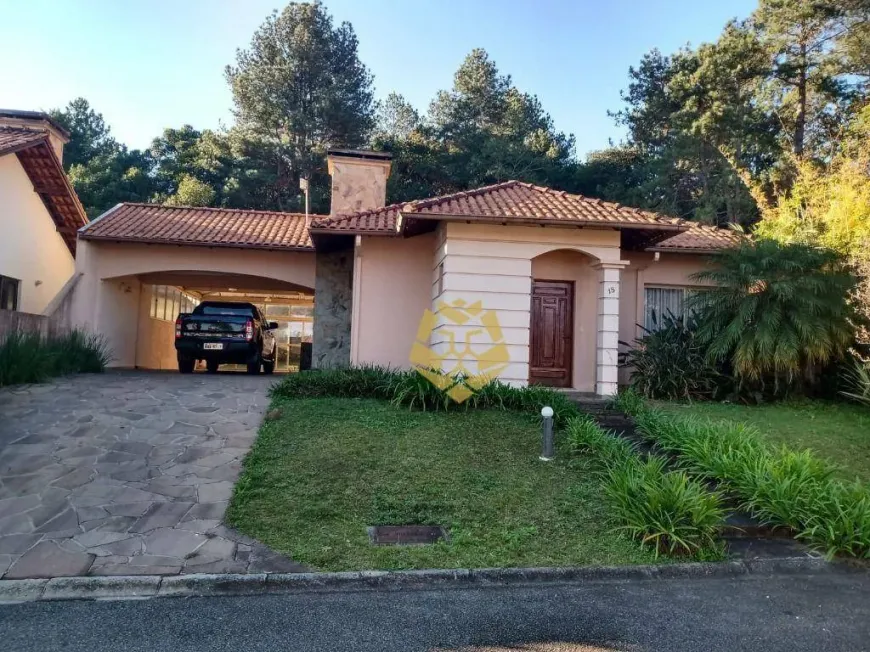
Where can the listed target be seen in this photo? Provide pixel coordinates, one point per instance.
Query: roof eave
(535, 221)
(376, 232)
(84, 235)
(685, 250)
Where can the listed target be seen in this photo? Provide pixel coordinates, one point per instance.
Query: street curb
(139, 587)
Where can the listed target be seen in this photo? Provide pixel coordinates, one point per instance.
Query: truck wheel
(268, 366)
(185, 365)
(254, 365)
(212, 366)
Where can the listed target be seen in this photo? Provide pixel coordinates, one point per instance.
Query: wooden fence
(24, 322)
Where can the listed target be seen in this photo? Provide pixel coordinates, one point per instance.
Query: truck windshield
(225, 310)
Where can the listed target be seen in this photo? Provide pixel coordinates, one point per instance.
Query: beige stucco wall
(106, 299)
(392, 288)
(671, 269)
(31, 249)
(493, 264)
(573, 266)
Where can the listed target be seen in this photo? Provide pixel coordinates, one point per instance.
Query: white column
(607, 340)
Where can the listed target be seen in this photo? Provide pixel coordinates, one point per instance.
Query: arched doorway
(563, 320)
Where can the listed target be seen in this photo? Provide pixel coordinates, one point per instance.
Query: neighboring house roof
(699, 239)
(37, 157)
(511, 201)
(13, 139)
(213, 227)
(35, 115)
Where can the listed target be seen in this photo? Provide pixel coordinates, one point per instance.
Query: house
(39, 212)
(558, 279)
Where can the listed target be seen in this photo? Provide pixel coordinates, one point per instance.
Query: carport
(140, 265)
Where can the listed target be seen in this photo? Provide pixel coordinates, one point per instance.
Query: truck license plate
(213, 346)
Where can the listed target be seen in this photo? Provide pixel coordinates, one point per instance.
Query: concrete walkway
(127, 473)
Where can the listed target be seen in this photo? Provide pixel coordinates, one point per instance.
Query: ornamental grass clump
(408, 388)
(779, 486)
(31, 358)
(667, 510)
(366, 381)
(586, 437)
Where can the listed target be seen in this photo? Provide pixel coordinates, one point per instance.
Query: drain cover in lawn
(406, 535)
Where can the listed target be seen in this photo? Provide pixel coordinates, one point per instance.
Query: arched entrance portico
(563, 320)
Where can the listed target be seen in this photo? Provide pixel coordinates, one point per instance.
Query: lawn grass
(326, 469)
(839, 432)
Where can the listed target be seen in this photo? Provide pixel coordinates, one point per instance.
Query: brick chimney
(359, 179)
(37, 121)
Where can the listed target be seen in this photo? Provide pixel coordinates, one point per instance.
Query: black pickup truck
(225, 333)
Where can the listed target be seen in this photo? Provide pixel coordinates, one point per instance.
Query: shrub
(858, 379)
(668, 510)
(415, 391)
(30, 358)
(672, 363)
(585, 436)
(355, 382)
(777, 312)
(411, 389)
(840, 523)
(782, 487)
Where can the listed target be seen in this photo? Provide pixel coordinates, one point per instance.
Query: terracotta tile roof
(699, 239)
(214, 227)
(511, 201)
(45, 171)
(379, 220)
(13, 139)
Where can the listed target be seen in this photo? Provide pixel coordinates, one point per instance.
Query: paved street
(127, 473)
(816, 613)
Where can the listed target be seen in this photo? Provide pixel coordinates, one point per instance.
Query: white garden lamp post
(547, 439)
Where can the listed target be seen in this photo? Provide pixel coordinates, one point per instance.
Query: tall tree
(668, 117)
(102, 171)
(90, 136)
(494, 131)
(105, 180)
(800, 36)
(298, 88)
(396, 118)
(718, 107)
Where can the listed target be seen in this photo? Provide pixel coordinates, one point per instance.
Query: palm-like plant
(780, 310)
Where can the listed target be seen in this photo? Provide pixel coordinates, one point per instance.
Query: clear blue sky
(150, 64)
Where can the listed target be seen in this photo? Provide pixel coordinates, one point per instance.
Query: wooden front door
(551, 346)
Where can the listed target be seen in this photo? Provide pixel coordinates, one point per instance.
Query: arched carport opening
(164, 295)
(131, 293)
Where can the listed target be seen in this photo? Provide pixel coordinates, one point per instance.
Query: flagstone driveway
(127, 473)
